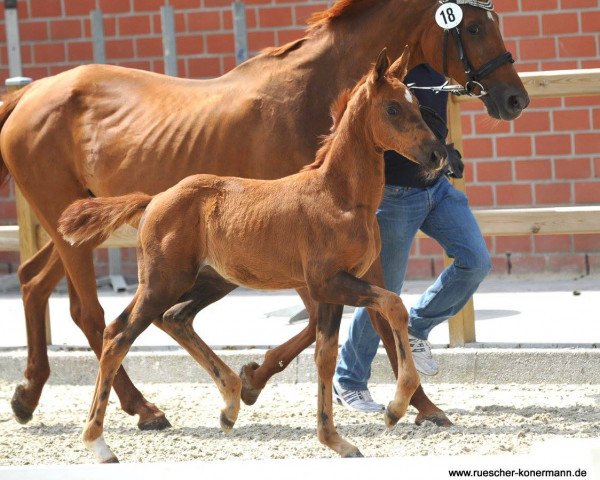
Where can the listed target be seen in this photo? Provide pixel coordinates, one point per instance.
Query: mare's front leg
(344, 288)
(428, 411)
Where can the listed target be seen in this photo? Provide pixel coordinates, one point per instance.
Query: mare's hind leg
(226, 380)
(38, 276)
(343, 288)
(255, 377)
(328, 325)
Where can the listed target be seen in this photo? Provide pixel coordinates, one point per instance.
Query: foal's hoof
(391, 419)
(157, 423)
(111, 460)
(354, 454)
(249, 394)
(438, 418)
(226, 423)
(22, 412)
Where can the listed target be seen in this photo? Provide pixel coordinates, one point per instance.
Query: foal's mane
(342, 8)
(337, 110)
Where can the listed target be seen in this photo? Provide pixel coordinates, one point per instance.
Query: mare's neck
(353, 168)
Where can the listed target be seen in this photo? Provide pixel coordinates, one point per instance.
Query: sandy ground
(489, 420)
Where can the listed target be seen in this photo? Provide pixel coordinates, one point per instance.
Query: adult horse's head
(473, 54)
(394, 117)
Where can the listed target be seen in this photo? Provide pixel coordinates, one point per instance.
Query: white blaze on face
(408, 96)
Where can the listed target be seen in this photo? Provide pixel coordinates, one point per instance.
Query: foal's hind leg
(38, 276)
(226, 380)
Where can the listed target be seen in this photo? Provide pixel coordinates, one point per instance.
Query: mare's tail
(94, 219)
(9, 102)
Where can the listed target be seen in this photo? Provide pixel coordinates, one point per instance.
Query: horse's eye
(392, 110)
(474, 29)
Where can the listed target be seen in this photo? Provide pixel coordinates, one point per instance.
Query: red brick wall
(551, 156)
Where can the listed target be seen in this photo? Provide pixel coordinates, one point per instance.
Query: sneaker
(424, 361)
(359, 400)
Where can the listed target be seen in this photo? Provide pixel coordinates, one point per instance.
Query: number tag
(448, 15)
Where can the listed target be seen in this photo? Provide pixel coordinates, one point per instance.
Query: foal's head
(393, 116)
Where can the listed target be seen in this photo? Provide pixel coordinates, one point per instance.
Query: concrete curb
(461, 365)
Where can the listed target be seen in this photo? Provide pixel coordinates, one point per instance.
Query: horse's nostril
(517, 102)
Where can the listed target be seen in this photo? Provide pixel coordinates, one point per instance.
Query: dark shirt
(398, 169)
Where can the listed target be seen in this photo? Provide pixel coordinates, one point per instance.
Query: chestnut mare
(235, 225)
(105, 130)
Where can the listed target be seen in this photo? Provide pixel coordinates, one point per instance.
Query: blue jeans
(443, 213)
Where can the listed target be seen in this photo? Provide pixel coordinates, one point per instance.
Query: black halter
(474, 77)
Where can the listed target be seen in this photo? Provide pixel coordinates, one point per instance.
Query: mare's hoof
(111, 460)
(226, 423)
(390, 418)
(354, 454)
(439, 418)
(22, 412)
(158, 423)
(249, 394)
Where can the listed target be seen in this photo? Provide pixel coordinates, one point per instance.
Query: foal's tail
(8, 104)
(94, 219)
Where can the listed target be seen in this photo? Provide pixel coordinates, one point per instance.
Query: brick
(578, 4)
(62, 29)
(571, 168)
(484, 124)
(79, 7)
(189, 44)
(477, 148)
(134, 25)
(147, 5)
(560, 65)
(26, 54)
(44, 8)
(275, 17)
(552, 243)
(590, 22)
(580, 46)
(583, 101)
(112, 6)
(529, 5)
(110, 27)
(304, 12)
(287, 36)
(35, 72)
(418, 269)
(217, 3)
(552, 194)
(560, 23)
(545, 103)
(204, 67)
(56, 69)
(590, 63)
(531, 169)
(587, 143)
(553, 144)
(251, 21)
(494, 171)
(502, 6)
(220, 43)
(184, 4)
(49, 53)
(228, 63)
(521, 25)
(515, 194)
(570, 120)
(480, 195)
(33, 31)
(204, 21)
(428, 246)
(527, 264)
(587, 192)
(520, 244)
(80, 51)
(149, 47)
(260, 39)
(597, 167)
(139, 64)
(566, 263)
(119, 49)
(531, 121)
(537, 49)
(513, 146)
(589, 242)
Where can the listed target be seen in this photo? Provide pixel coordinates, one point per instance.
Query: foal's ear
(399, 67)
(381, 66)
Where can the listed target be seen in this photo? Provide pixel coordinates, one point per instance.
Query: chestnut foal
(315, 229)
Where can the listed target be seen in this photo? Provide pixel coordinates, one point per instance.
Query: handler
(410, 203)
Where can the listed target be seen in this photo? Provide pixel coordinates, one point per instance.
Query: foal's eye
(392, 110)
(474, 29)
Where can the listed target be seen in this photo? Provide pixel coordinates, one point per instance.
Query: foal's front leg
(344, 288)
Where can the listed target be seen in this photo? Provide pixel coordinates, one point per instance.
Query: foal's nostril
(438, 155)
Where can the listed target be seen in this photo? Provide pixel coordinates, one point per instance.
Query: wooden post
(462, 325)
(28, 223)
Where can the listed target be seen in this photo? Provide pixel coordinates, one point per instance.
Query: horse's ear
(400, 67)
(381, 66)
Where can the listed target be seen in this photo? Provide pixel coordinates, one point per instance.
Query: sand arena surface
(488, 420)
